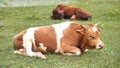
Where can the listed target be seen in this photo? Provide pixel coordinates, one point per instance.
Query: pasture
(15, 19)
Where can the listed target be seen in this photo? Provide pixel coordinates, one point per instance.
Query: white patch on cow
(20, 51)
(42, 47)
(86, 50)
(94, 29)
(73, 17)
(78, 53)
(99, 45)
(28, 41)
(59, 28)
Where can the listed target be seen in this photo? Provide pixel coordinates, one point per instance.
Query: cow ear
(83, 26)
(82, 30)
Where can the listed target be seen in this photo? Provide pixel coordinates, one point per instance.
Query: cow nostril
(100, 46)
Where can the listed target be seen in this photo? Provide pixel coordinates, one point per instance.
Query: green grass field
(15, 19)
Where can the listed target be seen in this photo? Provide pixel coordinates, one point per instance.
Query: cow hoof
(40, 55)
(44, 58)
(16, 52)
(86, 50)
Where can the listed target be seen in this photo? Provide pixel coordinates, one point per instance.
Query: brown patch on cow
(70, 40)
(18, 40)
(47, 36)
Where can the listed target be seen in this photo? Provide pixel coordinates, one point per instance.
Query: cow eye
(92, 37)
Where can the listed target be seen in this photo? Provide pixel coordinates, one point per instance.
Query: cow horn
(83, 26)
(97, 24)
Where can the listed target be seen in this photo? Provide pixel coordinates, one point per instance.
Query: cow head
(57, 14)
(91, 37)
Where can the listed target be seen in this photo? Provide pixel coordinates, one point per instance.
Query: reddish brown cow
(67, 38)
(70, 12)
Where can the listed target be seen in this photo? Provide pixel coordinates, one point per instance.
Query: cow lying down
(67, 38)
(70, 12)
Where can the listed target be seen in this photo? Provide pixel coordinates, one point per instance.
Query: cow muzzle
(99, 45)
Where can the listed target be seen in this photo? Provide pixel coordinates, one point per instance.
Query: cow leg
(27, 43)
(73, 17)
(70, 50)
(86, 50)
(20, 51)
(32, 53)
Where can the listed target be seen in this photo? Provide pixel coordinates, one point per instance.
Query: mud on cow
(67, 38)
(70, 12)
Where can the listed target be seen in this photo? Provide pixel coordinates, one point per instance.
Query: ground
(15, 19)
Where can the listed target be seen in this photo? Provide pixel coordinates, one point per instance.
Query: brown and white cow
(70, 12)
(68, 38)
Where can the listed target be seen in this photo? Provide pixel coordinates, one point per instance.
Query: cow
(67, 38)
(70, 12)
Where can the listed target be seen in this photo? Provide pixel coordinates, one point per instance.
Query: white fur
(28, 41)
(42, 47)
(100, 43)
(94, 29)
(86, 50)
(78, 53)
(59, 28)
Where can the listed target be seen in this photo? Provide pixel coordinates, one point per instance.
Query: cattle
(67, 38)
(70, 12)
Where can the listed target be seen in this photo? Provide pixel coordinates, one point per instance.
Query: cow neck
(83, 43)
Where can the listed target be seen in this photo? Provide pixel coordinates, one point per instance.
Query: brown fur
(18, 40)
(70, 12)
(47, 36)
(71, 39)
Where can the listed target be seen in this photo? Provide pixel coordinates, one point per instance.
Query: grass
(15, 19)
